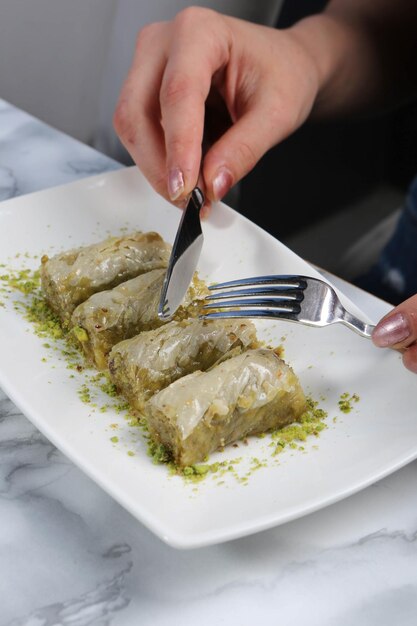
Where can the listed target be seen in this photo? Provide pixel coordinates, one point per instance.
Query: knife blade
(184, 257)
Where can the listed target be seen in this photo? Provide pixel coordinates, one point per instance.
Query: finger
(195, 55)
(410, 358)
(205, 210)
(137, 115)
(398, 329)
(240, 148)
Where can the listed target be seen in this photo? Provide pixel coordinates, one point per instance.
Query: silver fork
(294, 298)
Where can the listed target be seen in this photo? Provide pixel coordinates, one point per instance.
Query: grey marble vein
(8, 183)
(25, 465)
(7, 408)
(114, 552)
(97, 606)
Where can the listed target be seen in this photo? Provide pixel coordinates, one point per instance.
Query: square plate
(376, 438)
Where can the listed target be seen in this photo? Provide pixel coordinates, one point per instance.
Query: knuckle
(175, 89)
(275, 115)
(282, 117)
(246, 155)
(190, 16)
(123, 124)
(145, 35)
(175, 144)
(119, 118)
(179, 144)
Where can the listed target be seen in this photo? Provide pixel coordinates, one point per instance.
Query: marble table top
(71, 556)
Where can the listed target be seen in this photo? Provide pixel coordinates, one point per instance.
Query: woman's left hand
(398, 330)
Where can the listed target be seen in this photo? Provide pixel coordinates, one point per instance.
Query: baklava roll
(111, 316)
(68, 279)
(144, 365)
(248, 394)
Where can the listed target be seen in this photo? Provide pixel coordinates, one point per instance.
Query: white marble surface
(71, 556)
(35, 156)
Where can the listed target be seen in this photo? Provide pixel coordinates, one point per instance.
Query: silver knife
(184, 257)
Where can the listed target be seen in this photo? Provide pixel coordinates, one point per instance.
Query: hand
(398, 330)
(202, 68)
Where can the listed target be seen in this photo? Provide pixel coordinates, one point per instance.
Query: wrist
(341, 55)
(316, 34)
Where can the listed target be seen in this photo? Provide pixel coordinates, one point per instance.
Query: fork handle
(359, 326)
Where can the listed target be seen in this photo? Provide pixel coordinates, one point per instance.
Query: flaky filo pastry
(112, 316)
(145, 364)
(71, 277)
(248, 394)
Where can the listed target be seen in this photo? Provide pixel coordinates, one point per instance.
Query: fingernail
(391, 330)
(175, 183)
(222, 183)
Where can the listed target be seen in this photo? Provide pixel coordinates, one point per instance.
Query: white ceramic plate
(376, 438)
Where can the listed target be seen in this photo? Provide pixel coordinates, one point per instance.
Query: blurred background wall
(52, 58)
(65, 60)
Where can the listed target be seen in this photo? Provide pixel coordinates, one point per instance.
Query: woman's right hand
(265, 79)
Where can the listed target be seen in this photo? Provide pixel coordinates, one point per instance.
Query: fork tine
(285, 280)
(251, 313)
(290, 306)
(280, 291)
(307, 300)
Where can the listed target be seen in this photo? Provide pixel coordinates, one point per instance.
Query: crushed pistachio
(158, 453)
(109, 388)
(346, 400)
(84, 394)
(80, 333)
(199, 471)
(26, 281)
(45, 322)
(312, 422)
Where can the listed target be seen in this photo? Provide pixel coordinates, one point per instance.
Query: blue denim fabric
(394, 276)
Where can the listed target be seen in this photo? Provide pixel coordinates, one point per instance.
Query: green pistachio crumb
(84, 394)
(109, 388)
(158, 453)
(345, 402)
(80, 333)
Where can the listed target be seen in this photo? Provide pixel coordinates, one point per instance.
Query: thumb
(232, 156)
(398, 329)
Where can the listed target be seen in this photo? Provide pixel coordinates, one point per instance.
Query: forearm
(365, 53)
